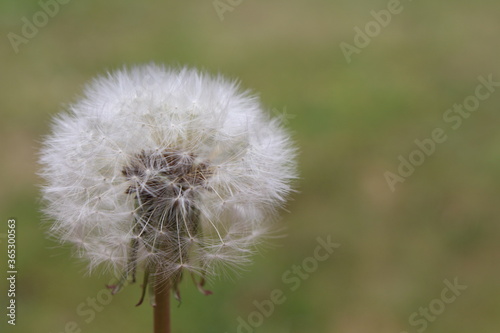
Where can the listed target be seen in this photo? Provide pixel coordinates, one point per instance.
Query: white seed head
(166, 170)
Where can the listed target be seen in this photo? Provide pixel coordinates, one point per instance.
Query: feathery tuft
(165, 170)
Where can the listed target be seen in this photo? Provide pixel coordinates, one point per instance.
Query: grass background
(351, 121)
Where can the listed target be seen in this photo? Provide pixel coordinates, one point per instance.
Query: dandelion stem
(162, 307)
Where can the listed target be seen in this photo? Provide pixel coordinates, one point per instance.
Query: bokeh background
(351, 121)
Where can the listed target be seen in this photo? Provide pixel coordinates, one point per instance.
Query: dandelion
(165, 171)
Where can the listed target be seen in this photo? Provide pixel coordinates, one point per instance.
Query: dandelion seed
(166, 171)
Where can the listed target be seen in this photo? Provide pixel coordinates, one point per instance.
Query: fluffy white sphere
(166, 170)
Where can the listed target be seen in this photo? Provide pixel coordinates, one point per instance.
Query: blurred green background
(351, 121)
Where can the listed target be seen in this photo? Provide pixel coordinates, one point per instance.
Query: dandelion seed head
(165, 169)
